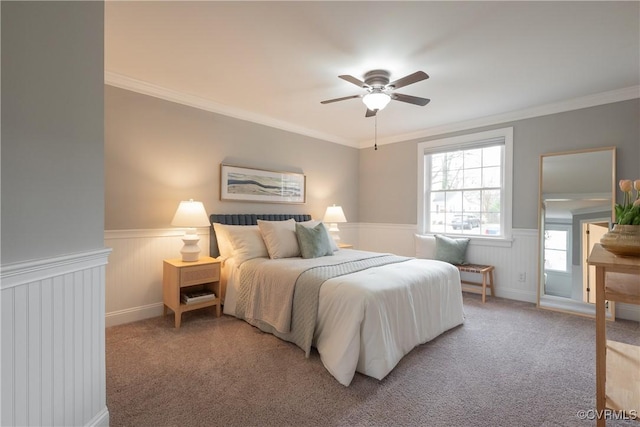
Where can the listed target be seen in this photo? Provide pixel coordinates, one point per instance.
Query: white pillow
(280, 238)
(425, 246)
(222, 237)
(312, 223)
(247, 243)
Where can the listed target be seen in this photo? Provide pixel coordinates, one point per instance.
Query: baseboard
(517, 294)
(133, 314)
(512, 294)
(628, 312)
(101, 419)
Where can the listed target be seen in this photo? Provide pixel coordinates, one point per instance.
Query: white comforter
(367, 321)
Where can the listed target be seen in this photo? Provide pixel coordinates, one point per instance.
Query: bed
(363, 311)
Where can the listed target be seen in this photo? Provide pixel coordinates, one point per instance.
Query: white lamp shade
(334, 214)
(376, 100)
(190, 214)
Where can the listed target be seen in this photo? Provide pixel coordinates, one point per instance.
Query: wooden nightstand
(345, 246)
(201, 275)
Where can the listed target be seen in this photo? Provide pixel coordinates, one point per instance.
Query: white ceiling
(273, 62)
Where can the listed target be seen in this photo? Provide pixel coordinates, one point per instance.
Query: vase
(622, 240)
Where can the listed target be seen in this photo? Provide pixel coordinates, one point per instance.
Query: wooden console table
(622, 391)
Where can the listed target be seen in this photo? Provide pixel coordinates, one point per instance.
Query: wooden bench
(487, 278)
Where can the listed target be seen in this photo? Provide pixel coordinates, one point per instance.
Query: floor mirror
(576, 199)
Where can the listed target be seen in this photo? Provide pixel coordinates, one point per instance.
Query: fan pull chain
(375, 144)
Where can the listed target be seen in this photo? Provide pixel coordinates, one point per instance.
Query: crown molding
(145, 88)
(594, 100)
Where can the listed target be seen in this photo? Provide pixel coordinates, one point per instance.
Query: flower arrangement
(628, 213)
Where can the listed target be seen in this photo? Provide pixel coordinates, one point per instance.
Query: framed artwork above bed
(261, 185)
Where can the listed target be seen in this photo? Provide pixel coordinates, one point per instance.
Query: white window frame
(467, 141)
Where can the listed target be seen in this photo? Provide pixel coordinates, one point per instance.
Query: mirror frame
(562, 304)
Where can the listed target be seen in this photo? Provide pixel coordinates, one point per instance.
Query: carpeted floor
(510, 364)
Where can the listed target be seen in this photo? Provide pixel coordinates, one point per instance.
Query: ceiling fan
(380, 91)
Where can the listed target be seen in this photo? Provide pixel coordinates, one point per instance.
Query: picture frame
(261, 185)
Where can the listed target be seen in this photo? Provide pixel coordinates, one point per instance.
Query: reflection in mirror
(577, 194)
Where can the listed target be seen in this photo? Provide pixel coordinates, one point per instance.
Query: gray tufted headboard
(245, 219)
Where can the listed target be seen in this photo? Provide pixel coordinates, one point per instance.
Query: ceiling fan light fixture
(376, 100)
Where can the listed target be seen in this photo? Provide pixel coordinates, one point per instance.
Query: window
(465, 184)
(556, 247)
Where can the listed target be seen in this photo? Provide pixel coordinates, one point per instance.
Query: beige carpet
(510, 364)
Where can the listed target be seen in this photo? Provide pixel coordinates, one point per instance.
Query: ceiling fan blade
(410, 99)
(328, 101)
(410, 79)
(353, 80)
(370, 113)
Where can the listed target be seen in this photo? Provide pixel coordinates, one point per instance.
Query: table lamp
(190, 214)
(333, 216)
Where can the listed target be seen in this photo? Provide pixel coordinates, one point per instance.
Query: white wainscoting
(134, 273)
(53, 341)
(510, 258)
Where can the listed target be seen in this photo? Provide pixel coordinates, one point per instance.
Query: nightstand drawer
(199, 274)
(178, 277)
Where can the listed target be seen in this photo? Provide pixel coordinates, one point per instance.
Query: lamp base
(190, 251)
(334, 231)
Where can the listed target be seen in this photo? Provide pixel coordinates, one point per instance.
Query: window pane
(437, 202)
(453, 201)
(436, 181)
(464, 190)
(437, 166)
(437, 211)
(491, 201)
(555, 239)
(472, 178)
(492, 156)
(466, 224)
(471, 202)
(437, 222)
(449, 216)
(453, 179)
(491, 227)
(555, 244)
(491, 176)
(454, 160)
(473, 158)
(555, 260)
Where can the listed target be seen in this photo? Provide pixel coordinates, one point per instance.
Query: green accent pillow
(313, 241)
(451, 250)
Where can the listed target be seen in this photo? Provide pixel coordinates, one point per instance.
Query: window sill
(502, 242)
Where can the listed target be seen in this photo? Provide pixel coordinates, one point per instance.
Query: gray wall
(52, 129)
(158, 153)
(389, 184)
(388, 181)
